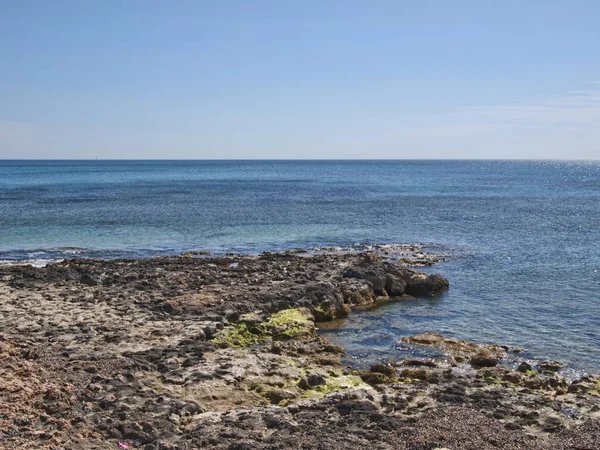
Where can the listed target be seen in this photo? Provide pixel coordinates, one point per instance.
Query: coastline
(223, 352)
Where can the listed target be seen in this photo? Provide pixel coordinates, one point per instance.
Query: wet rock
(525, 367)
(551, 366)
(418, 362)
(483, 358)
(459, 351)
(419, 284)
(425, 339)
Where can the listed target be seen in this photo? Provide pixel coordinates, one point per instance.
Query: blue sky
(300, 79)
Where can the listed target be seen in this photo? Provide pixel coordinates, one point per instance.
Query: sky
(302, 79)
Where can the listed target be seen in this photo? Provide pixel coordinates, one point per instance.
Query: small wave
(35, 262)
(67, 250)
(419, 252)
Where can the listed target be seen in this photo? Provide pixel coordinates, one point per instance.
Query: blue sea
(522, 238)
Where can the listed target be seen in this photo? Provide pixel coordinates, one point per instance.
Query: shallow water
(523, 237)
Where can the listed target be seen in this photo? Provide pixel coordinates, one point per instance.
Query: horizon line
(296, 159)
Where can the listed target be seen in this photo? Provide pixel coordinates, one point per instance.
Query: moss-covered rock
(286, 324)
(291, 324)
(374, 378)
(326, 311)
(335, 381)
(241, 335)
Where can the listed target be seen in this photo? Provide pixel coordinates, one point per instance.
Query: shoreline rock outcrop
(181, 353)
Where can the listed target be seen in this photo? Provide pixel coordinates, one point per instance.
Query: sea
(521, 239)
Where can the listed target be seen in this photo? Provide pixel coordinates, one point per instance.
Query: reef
(224, 352)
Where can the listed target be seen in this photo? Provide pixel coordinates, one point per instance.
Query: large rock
(373, 273)
(394, 285)
(484, 358)
(389, 279)
(325, 301)
(357, 292)
(418, 284)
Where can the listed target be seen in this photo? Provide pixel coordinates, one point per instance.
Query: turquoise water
(523, 238)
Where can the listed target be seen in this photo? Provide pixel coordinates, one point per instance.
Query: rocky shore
(223, 352)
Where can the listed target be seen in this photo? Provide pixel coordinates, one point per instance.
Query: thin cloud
(576, 107)
(580, 108)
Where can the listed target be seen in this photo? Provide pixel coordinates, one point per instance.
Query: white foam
(29, 262)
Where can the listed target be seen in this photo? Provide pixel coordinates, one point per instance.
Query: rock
(552, 425)
(395, 286)
(581, 387)
(513, 377)
(311, 380)
(421, 285)
(291, 323)
(373, 273)
(556, 383)
(251, 319)
(374, 378)
(551, 366)
(388, 371)
(525, 367)
(277, 396)
(417, 284)
(418, 362)
(325, 301)
(425, 339)
(88, 280)
(417, 374)
(118, 367)
(357, 292)
(483, 358)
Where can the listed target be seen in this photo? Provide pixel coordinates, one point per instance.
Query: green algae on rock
(336, 381)
(240, 335)
(289, 323)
